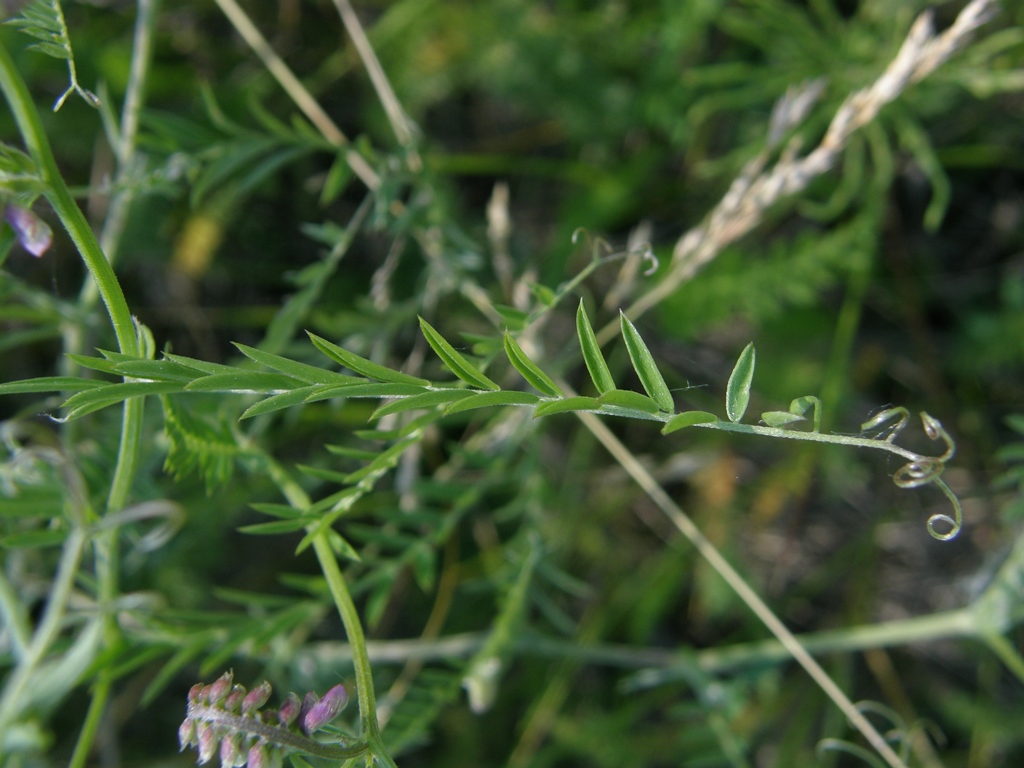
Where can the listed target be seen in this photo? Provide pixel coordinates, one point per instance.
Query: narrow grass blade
(592, 355)
(528, 369)
(361, 365)
(688, 419)
(453, 361)
(737, 392)
(645, 367)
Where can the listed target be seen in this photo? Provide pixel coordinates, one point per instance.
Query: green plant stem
(91, 724)
(349, 616)
(931, 627)
(56, 191)
(106, 547)
(48, 629)
(360, 659)
(27, 117)
(876, 444)
(813, 437)
(15, 618)
(918, 629)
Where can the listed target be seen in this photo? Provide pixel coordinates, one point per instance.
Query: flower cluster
(225, 718)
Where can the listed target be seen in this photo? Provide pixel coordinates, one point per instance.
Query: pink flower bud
(195, 692)
(257, 697)
(207, 742)
(230, 754)
(220, 689)
(187, 734)
(233, 703)
(257, 757)
(289, 711)
(326, 709)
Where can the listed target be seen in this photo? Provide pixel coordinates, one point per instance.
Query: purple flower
(220, 689)
(33, 233)
(308, 702)
(326, 709)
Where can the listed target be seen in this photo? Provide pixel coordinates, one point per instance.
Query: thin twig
(297, 91)
(400, 122)
(127, 164)
(656, 665)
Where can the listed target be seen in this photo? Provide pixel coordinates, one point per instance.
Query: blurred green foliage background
(897, 278)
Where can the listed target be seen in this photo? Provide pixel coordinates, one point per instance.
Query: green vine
(290, 383)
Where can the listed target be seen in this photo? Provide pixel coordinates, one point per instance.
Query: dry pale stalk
(756, 190)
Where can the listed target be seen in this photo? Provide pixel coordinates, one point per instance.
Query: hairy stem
(354, 631)
(273, 734)
(128, 339)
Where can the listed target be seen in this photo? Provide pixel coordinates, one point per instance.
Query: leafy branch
(44, 20)
(290, 383)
